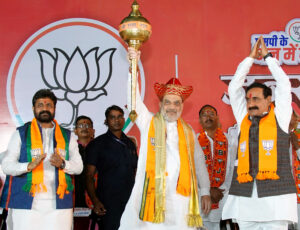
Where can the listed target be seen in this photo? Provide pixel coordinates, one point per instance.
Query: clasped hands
(55, 160)
(259, 49)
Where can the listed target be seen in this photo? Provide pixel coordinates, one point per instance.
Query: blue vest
(14, 196)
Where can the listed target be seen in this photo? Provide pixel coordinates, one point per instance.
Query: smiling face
(171, 107)
(257, 104)
(208, 118)
(44, 110)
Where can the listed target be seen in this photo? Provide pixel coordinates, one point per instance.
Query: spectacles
(81, 126)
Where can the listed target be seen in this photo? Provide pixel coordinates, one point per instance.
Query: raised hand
(264, 50)
(133, 53)
(256, 52)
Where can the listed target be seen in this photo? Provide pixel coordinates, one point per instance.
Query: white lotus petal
(105, 64)
(61, 63)
(76, 72)
(93, 68)
(92, 95)
(47, 66)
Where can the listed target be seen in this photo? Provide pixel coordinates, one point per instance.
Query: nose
(250, 102)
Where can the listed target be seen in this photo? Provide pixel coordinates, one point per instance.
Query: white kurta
(176, 204)
(43, 214)
(272, 208)
(215, 215)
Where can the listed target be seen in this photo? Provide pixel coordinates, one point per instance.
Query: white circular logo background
(82, 61)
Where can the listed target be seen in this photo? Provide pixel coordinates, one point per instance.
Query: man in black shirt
(83, 128)
(114, 156)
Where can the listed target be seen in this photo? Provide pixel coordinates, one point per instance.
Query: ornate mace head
(135, 29)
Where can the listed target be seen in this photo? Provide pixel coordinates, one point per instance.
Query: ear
(105, 122)
(269, 100)
(75, 131)
(219, 123)
(160, 104)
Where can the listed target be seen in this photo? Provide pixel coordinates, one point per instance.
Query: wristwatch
(268, 55)
(63, 164)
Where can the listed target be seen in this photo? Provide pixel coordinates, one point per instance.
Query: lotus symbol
(78, 77)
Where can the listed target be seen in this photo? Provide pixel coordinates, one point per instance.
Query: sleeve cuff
(204, 192)
(23, 167)
(67, 166)
(298, 153)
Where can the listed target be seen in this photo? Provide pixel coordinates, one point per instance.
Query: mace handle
(133, 64)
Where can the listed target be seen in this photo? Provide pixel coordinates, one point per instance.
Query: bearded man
(40, 157)
(165, 195)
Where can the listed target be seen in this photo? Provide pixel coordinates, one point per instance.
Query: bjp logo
(77, 77)
(82, 61)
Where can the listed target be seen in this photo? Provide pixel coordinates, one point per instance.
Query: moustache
(253, 107)
(45, 112)
(172, 111)
(209, 120)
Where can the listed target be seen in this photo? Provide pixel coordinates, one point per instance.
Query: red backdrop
(209, 37)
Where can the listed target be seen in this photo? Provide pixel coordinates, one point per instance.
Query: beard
(170, 118)
(44, 116)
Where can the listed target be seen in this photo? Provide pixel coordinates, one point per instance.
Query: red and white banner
(73, 47)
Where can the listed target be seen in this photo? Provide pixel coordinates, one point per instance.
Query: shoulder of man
(98, 140)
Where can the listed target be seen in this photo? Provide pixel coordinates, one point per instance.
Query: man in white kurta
(43, 214)
(269, 212)
(209, 120)
(176, 205)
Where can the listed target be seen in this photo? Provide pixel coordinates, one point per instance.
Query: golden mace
(134, 30)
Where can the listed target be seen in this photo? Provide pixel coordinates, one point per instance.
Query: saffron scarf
(153, 199)
(296, 166)
(216, 166)
(35, 178)
(267, 156)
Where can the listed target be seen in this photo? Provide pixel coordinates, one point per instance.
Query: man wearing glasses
(83, 128)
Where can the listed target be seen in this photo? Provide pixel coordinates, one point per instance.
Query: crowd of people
(58, 179)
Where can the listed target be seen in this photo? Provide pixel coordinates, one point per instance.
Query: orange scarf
(35, 178)
(267, 164)
(296, 166)
(153, 200)
(216, 167)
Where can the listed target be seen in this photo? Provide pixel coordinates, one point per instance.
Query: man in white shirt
(164, 195)
(219, 152)
(262, 193)
(40, 158)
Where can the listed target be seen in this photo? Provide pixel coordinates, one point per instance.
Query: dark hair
(83, 117)
(266, 90)
(44, 93)
(113, 107)
(205, 106)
